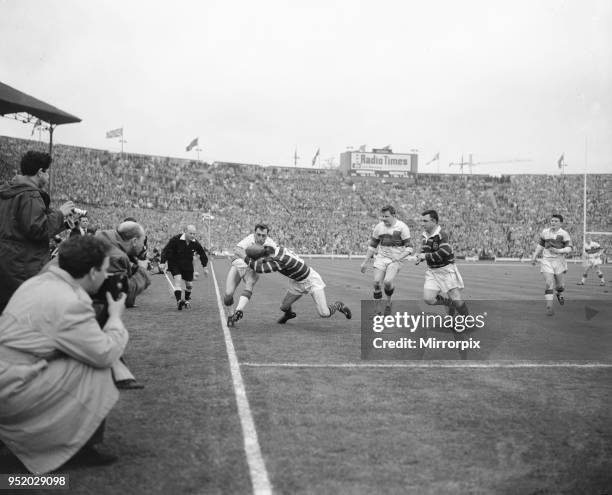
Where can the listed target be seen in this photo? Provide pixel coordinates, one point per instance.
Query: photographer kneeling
(56, 386)
(127, 242)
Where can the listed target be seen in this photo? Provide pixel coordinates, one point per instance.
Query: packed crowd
(313, 211)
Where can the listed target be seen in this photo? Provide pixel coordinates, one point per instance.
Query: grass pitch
(328, 424)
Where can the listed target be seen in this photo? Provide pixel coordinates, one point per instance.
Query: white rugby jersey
(245, 243)
(557, 239)
(391, 241)
(592, 250)
(250, 239)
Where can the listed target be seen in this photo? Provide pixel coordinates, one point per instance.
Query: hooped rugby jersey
(283, 261)
(438, 252)
(593, 250)
(391, 241)
(558, 239)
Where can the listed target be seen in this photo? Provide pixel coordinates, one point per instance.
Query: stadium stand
(314, 211)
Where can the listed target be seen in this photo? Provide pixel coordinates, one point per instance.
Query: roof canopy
(14, 101)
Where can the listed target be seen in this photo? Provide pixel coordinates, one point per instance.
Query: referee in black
(178, 255)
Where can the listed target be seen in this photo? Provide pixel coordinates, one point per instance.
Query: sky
(516, 82)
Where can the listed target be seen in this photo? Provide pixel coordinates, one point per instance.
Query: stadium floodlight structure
(208, 216)
(470, 163)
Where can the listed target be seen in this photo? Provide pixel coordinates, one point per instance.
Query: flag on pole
(192, 145)
(314, 158)
(115, 133)
(436, 157)
(561, 161)
(37, 124)
(362, 148)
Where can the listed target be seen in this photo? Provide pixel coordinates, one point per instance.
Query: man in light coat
(56, 386)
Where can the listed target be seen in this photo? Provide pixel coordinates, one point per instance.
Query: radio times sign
(380, 161)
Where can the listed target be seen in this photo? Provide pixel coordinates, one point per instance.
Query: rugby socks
(601, 279)
(442, 301)
(560, 290)
(334, 307)
(187, 295)
(177, 294)
(548, 296)
(389, 292)
(377, 294)
(462, 307)
(244, 299)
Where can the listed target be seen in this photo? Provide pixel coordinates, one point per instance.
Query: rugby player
(443, 282)
(592, 259)
(302, 279)
(554, 244)
(389, 245)
(240, 271)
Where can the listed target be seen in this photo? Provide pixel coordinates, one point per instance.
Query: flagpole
(584, 196)
(122, 141)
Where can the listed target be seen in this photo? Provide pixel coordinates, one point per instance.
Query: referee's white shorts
(443, 279)
(556, 265)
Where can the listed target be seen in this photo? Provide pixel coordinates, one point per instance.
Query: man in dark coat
(179, 253)
(127, 273)
(81, 227)
(27, 223)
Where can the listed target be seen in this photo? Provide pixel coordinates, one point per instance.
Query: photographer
(56, 386)
(27, 223)
(128, 243)
(125, 274)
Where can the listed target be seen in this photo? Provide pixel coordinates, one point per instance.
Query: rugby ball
(254, 251)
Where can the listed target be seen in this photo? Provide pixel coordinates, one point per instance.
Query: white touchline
(430, 364)
(259, 475)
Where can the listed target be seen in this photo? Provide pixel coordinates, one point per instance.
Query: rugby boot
(347, 312)
(388, 307)
(286, 317)
(232, 319)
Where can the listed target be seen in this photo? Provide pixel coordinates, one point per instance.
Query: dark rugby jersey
(438, 252)
(283, 261)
